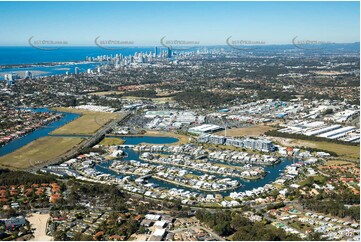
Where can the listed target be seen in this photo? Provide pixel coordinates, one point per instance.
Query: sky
(209, 23)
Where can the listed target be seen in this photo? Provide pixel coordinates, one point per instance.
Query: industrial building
(322, 130)
(205, 129)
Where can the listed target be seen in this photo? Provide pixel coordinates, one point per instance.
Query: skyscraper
(28, 74)
(169, 52)
(76, 70)
(156, 51)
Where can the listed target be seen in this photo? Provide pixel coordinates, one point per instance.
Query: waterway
(273, 172)
(38, 133)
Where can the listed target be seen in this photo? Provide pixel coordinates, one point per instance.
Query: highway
(89, 142)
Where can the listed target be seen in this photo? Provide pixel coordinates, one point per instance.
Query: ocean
(29, 55)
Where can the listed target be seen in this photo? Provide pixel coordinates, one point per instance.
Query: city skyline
(207, 23)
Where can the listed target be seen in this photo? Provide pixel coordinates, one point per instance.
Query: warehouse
(323, 130)
(205, 129)
(338, 133)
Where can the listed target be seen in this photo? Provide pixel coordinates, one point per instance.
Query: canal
(273, 172)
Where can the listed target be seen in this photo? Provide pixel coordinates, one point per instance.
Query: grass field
(38, 152)
(111, 141)
(249, 131)
(183, 139)
(344, 151)
(337, 163)
(88, 123)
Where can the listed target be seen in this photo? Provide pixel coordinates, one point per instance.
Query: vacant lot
(249, 131)
(111, 141)
(337, 163)
(39, 222)
(344, 151)
(183, 139)
(88, 123)
(38, 151)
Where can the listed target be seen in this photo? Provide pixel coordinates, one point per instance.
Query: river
(36, 134)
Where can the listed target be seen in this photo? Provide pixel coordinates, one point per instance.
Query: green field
(255, 130)
(38, 152)
(111, 141)
(88, 123)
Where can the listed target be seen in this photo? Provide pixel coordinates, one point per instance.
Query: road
(89, 142)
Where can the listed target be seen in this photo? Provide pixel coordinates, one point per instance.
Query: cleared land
(38, 152)
(337, 163)
(88, 123)
(249, 131)
(39, 222)
(183, 139)
(344, 151)
(112, 141)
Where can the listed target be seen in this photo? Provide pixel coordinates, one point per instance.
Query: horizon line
(197, 46)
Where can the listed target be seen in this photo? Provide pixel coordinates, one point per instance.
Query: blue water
(134, 140)
(44, 131)
(273, 171)
(51, 70)
(30, 55)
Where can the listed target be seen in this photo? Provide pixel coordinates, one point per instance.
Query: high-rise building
(169, 52)
(28, 74)
(156, 51)
(11, 77)
(76, 70)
